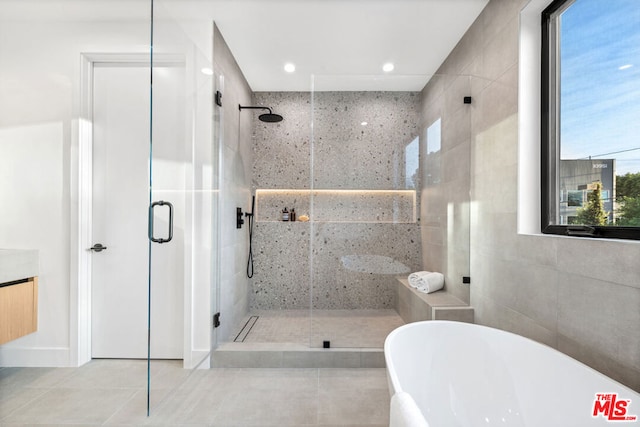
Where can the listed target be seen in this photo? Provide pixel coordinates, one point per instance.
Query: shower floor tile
(343, 328)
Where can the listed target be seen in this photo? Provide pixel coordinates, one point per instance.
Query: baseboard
(38, 357)
(200, 359)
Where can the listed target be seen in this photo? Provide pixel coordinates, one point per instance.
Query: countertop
(18, 264)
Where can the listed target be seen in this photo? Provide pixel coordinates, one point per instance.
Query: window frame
(550, 138)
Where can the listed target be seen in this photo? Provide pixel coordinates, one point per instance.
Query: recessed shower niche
(365, 206)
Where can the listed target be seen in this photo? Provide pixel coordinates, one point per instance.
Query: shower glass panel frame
(382, 200)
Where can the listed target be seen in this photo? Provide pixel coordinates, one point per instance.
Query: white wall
(39, 105)
(40, 114)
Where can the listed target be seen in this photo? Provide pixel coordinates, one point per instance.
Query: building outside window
(578, 178)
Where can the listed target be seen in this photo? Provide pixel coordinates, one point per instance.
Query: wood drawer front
(18, 310)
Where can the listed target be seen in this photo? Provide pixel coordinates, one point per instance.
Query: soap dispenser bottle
(285, 214)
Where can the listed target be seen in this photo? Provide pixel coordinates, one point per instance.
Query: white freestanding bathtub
(461, 374)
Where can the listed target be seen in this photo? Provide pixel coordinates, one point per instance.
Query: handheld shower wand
(250, 218)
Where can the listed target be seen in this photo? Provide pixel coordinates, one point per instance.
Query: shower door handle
(152, 218)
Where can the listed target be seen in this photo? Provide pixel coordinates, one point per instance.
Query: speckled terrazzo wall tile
(349, 155)
(346, 154)
(355, 265)
(364, 206)
(281, 151)
(361, 241)
(281, 266)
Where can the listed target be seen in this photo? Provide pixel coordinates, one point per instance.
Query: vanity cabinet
(18, 309)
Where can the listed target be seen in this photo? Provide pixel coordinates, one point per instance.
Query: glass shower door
(183, 199)
(390, 192)
(167, 214)
(364, 202)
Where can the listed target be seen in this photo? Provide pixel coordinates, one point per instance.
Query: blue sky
(600, 93)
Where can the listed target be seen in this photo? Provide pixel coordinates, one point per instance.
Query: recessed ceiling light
(625, 67)
(388, 67)
(364, 123)
(289, 67)
(207, 71)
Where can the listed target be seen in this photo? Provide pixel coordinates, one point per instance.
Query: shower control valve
(239, 220)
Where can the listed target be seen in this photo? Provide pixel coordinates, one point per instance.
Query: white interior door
(120, 273)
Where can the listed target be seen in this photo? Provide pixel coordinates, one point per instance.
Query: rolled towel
(415, 279)
(404, 412)
(430, 282)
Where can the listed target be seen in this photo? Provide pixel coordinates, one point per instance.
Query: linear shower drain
(244, 332)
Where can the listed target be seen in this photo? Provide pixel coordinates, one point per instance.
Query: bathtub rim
(394, 382)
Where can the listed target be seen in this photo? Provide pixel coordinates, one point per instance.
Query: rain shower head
(269, 117)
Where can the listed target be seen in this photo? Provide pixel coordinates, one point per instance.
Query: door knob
(98, 247)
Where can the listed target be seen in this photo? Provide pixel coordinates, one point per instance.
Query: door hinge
(216, 320)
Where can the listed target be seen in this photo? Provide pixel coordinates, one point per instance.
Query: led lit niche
(362, 206)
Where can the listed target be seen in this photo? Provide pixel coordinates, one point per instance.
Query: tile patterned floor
(112, 392)
(344, 328)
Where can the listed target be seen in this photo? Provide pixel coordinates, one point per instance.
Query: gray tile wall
(346, 156)
(235, 186)
(579, 296)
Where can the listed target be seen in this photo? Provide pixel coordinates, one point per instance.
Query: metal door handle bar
(97, 247)
(151, 220)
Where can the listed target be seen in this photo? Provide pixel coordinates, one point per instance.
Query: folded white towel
(404, 412)
(427, 282)
(415, 279)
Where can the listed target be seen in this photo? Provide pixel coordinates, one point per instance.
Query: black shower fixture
(269, 117)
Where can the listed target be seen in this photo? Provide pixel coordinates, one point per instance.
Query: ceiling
(341, 43)
(338, 40)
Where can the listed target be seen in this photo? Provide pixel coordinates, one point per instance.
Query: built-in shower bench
(414, 306)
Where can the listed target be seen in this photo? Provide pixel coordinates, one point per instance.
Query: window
(433, 144)
(412, 164)
(591, 118)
